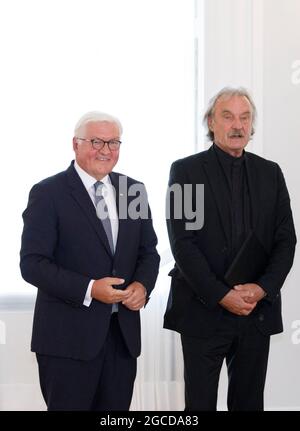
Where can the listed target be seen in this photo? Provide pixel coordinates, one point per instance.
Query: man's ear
(75, 144)
(210, 123)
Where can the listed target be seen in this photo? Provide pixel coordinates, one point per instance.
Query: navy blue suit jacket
(64, 246)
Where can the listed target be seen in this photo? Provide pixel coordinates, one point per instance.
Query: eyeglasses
(98, 144)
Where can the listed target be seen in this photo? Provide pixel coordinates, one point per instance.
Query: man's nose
(237, 124)
(105, 149)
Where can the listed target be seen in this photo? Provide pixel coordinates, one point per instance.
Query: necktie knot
(98, 187)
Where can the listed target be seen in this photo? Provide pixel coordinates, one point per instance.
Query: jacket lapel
(219, 189)
(83, 199)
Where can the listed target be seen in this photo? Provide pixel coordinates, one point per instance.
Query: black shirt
(235, 176)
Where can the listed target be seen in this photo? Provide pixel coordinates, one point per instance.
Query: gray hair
(96, 117)
(228, 92)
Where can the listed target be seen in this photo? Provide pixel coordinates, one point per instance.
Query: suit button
(224, 249)
(261, 317)
(114, 272)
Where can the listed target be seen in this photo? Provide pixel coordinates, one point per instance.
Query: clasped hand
(243, 298)
(133, 297)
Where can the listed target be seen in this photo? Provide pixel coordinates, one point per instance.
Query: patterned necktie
(102, 213)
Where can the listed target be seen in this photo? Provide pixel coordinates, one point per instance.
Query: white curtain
(159, 382)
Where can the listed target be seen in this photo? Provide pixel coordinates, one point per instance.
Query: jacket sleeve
(188, 256)
(39, 239)
(284, 242)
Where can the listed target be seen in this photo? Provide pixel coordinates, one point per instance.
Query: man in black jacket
(244, 195)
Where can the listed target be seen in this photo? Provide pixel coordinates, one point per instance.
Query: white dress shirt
(110, 200)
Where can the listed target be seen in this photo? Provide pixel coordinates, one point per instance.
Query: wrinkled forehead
(233, 103)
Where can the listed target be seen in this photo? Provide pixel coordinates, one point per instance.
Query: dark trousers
(103, 383)
(246, 351)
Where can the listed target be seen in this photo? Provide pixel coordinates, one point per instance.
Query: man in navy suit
(245, 196)
(95, 265)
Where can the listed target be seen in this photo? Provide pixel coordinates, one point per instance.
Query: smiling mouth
(103, 159)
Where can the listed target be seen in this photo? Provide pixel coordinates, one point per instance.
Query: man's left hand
(255, 289)
(137, 298)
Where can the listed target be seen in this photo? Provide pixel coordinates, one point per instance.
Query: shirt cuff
(88, 299)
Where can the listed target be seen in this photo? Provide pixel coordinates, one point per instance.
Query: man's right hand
(235, 302)
(103, 290)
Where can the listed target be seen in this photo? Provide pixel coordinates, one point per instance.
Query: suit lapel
(254, 188)
(83, 199)
(219, 189)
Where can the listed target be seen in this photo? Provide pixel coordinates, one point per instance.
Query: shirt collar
(87, 179)
(227, 158)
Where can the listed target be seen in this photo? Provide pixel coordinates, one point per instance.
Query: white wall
(19, 386)
(282, 143)
(255, 43)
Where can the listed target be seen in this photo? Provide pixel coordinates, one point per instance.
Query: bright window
(134, 59)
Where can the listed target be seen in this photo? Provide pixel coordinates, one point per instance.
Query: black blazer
(202, 256)
(64, 246)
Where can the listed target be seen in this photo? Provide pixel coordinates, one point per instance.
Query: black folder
(249, 263)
